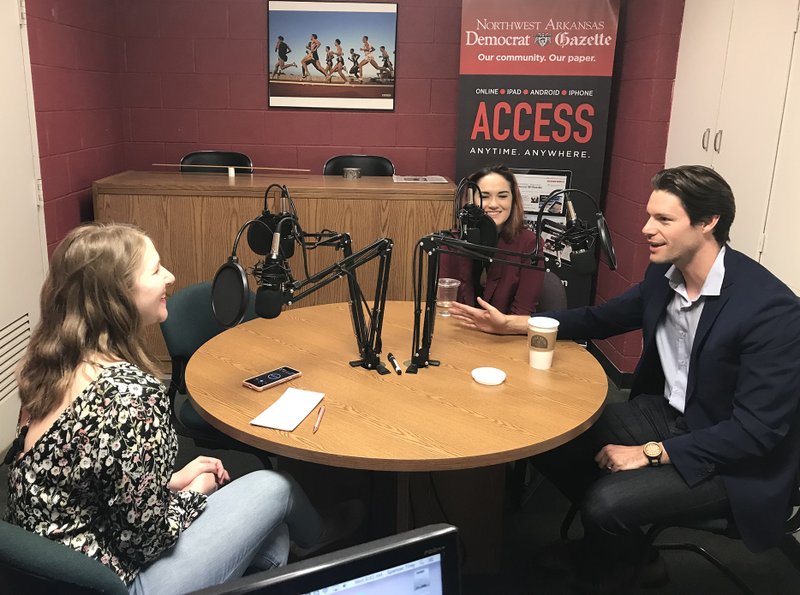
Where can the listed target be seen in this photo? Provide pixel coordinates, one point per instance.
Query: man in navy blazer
(712, 427)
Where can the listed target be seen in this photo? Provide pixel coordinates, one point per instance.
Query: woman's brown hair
(87, 310)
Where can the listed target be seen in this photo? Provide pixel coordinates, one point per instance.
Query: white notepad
(289, 410)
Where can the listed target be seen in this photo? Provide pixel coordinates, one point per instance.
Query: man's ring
(610, 466)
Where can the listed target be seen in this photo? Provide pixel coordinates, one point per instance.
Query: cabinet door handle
(718, 140)
(706, 136)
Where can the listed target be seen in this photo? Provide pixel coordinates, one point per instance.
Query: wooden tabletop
(438, 419)
(315, 186)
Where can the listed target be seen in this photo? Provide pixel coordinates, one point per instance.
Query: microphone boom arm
(368, 337)
(430, 246)
(562, 235)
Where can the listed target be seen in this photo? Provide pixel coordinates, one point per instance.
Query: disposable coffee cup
(446, 294)
(352, 173)
(542, 334)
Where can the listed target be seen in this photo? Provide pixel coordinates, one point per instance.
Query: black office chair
(191, 323)
(36, 565)
(370, 165)
(553, 295)
(218, 159)
(720, 526)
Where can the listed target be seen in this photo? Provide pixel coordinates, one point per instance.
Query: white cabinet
(23, 255)
(730, 88)
(780, 253)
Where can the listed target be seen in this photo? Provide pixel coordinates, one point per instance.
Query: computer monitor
(424, 561)
(536, 184)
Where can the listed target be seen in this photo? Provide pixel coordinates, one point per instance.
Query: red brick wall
(122, 84)
(77, 59)
(195, 80)
(641, 101)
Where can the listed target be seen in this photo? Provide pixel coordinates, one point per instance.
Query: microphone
(572, 216)
(273, 278)
(474, 225)
(269, 303)
(577, 234)
(582, 257)
(230, 293)
(259, 237)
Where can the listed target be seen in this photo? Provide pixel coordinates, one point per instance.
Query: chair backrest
(191, 323)
(370, 165)
(553, 295)
(216, 158)
(33, 564)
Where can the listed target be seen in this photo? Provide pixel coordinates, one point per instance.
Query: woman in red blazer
(510, 289)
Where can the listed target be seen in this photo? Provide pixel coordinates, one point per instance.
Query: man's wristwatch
(653, 451)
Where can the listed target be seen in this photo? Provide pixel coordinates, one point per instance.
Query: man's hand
(489, 319)
(613, 457)
(182, 479)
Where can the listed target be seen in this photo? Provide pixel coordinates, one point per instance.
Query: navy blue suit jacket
(743, 386)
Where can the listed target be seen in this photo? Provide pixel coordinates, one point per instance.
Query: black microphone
(474, 225)
(582, 256)
(582, 260)
(259, 237)
(273, 277)
(269, 303)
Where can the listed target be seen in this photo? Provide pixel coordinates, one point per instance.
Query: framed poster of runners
(331, 55)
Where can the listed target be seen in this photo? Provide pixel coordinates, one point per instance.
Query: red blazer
(510, 289)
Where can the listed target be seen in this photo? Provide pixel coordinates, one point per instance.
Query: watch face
(652, 449)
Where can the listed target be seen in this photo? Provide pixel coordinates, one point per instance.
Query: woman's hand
(201, 465)
(205, 483)
(489, 319)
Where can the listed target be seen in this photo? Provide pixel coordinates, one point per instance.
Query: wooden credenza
(193, 220)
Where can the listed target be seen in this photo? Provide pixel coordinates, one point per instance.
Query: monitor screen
(424, 561)
(422, 577)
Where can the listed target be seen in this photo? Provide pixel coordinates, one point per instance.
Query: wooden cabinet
(733, 69)
(193, 220)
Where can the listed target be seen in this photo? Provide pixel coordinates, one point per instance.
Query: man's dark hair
(703, 193)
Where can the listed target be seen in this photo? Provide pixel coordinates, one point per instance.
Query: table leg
(404, 502)
(472, 500)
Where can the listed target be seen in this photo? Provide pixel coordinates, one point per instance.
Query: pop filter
(605, 241)
(230, 293)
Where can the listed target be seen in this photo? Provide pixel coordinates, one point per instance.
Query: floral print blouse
(97, 479)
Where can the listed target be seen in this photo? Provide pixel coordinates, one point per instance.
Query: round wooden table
(438, 419)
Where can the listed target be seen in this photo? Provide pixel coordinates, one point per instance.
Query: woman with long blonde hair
(92, 466)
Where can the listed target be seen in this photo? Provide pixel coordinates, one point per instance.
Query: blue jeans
(614, 506)
(246, 525)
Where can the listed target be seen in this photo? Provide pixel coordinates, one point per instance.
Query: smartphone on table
(271, 378)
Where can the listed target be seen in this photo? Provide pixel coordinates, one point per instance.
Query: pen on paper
(319, 419)
(394, 363)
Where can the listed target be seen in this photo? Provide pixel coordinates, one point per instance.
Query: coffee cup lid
(543, 322)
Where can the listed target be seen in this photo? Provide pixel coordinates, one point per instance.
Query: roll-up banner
(535, 79)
